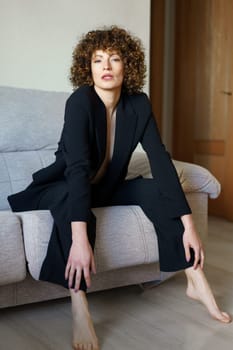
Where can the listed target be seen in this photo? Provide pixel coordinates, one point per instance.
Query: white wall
(37, 37)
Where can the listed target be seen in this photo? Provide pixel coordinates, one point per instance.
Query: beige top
(111, 128)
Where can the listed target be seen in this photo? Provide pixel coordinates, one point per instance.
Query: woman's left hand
(192, 240)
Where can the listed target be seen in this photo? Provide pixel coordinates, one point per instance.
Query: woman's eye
(116, 59)
(97, 61)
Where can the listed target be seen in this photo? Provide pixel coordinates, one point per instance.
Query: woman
(105, 119)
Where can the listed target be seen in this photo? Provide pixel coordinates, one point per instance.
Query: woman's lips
(107, 77)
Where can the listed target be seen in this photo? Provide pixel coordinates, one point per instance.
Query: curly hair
(110, 39)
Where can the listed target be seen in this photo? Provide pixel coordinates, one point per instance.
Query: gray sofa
(126, 250)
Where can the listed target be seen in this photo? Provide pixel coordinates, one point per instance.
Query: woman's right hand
(81, 258)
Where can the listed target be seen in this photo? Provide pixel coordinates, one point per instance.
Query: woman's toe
(227, 317)
(223, 317)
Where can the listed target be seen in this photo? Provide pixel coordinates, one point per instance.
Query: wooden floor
(162, 318)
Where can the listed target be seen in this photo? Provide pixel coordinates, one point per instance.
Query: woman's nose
(107, 65)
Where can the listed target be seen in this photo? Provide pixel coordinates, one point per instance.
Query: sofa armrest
(12, 257)
(193, 178)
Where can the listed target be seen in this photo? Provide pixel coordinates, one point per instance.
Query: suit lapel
(126, 121)
(100, 124)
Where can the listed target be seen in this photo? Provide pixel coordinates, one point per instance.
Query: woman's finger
(77, 279)
(202, 258)
(87, 276)
(93, 267)
(67, 270)
(187, 251)
(71, 276)
(197, 257)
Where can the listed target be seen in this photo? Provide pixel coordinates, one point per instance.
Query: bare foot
(198, 288)
(84, 336)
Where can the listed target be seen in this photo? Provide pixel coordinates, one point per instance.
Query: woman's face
(107, 70)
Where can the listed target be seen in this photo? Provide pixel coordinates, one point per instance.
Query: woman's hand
(81, 258)
(191, 239)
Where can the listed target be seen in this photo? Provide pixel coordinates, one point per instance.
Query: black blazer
(81, 150)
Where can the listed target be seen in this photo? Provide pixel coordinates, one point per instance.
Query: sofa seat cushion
(124, 237)
(12, 257)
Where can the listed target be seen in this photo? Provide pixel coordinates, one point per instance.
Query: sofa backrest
(30, 125)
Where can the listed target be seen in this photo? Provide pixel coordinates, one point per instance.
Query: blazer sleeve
(162, 168)
(76, 151)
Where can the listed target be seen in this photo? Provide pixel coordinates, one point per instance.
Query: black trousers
(139, 191)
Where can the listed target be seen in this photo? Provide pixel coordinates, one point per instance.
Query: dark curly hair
(111, 39)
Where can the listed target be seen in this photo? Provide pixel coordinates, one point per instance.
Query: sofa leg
(163, 277)
(147, 285)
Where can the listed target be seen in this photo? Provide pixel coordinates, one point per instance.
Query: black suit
(65, 187)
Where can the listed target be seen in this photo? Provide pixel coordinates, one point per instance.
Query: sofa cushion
(16, 169)
(30, 119)
(112, 249)
(12, 257)
(30, 126)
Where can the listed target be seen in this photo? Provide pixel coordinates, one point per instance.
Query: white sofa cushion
(30, 119)
(30, 126)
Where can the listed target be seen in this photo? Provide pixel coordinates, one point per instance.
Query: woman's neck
(110, 98)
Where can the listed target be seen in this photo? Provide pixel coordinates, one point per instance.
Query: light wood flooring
(161, 318)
